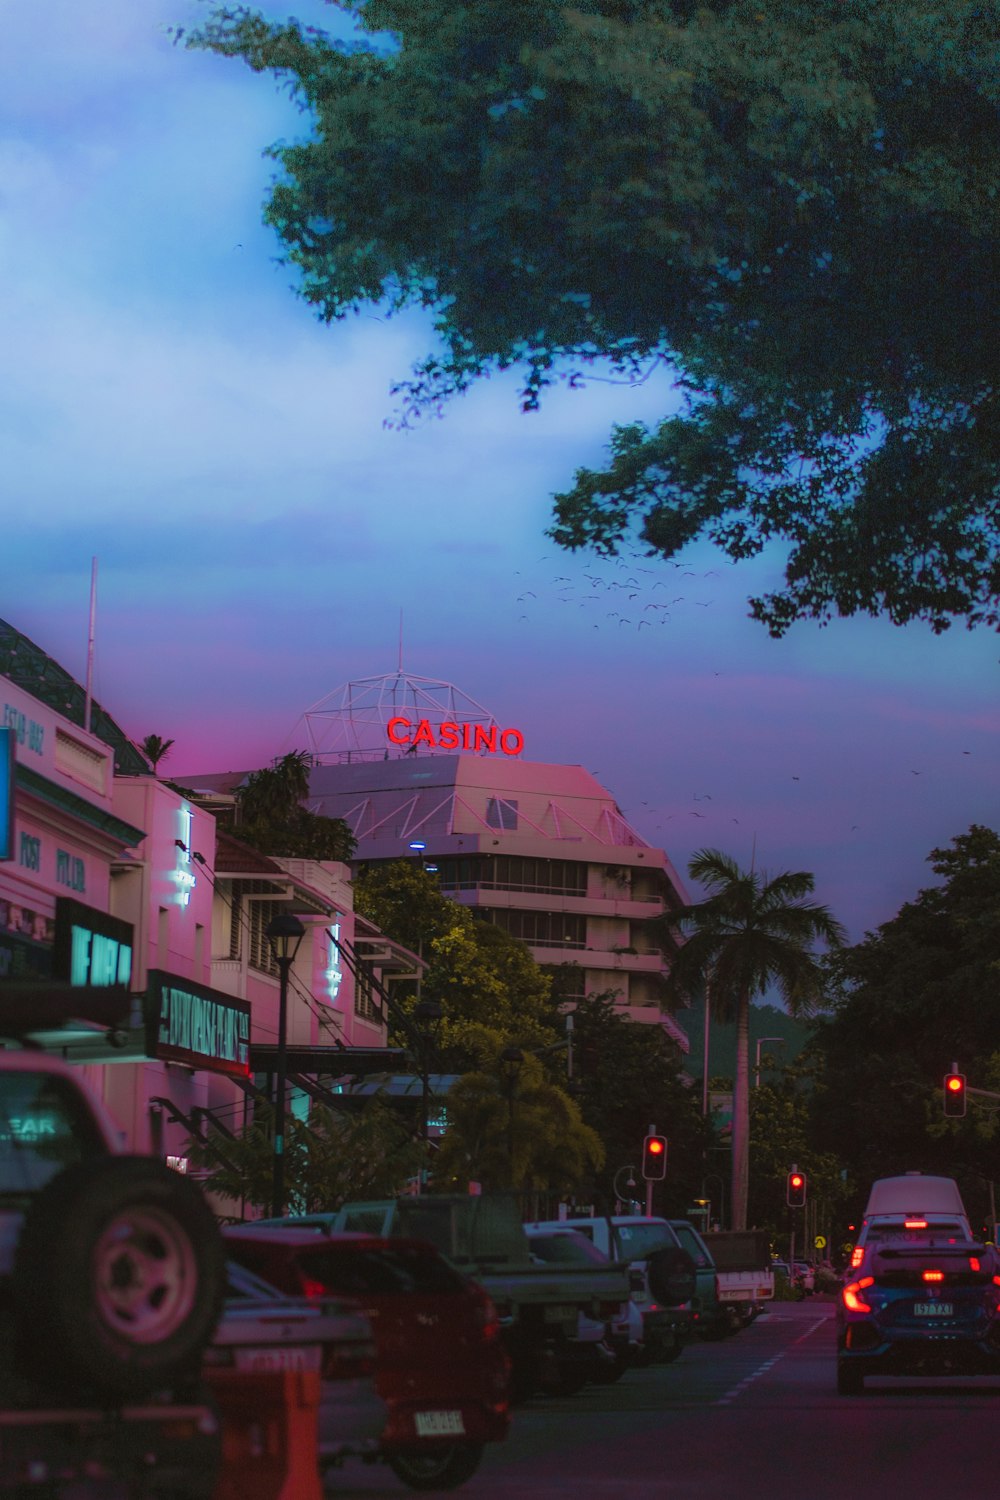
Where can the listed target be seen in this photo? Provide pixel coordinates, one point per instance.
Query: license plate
(933, 1309)
(439, 1423)
(291, 1357)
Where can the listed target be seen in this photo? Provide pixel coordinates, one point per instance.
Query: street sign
(820, 1242)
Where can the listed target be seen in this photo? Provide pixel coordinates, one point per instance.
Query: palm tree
(748, 934)
(154, 749)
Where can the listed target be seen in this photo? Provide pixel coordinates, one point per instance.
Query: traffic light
(954, 1094)
(654, 1158)
(795, 1189)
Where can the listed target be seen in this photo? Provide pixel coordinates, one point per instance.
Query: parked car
(440, 1364)
(604, 1345)
(924, 1305)
(665, 1274)
(805, 1275)
(263, 1328)
(713, 1318)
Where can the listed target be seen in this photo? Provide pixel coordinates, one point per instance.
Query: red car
(440, 1365)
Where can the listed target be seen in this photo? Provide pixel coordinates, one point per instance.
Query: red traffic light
(654, 1158)
(795, 1190)
(954, 1094)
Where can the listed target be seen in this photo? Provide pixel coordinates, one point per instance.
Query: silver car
(263, 1329)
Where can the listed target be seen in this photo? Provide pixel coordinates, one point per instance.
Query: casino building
(418, 770)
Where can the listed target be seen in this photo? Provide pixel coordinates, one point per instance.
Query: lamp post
(511, 1058)
(284, 933)
(760, 1042)
(426, 1013)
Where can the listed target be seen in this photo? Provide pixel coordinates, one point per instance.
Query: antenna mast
(89, 701)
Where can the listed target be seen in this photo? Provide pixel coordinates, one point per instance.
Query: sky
(264, 535)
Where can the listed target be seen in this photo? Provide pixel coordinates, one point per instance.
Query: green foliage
(271, 817)
(491, 991)
(780, 1134)
(330, 1159)
(793, 203)
(509, 1126)
(917, 994)
(627, 1077)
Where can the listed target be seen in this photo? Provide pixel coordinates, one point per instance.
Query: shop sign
(91, 947)
(6, 794)
(449, 736)
(187, 1023)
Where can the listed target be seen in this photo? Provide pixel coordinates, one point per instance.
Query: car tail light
(851, 1294)
(933, 1275)
(914, 1223)
(996, 1281)
(348, 1361)
(857, 1256)
(974, 1263)
(487, 1315)
(311, 1287)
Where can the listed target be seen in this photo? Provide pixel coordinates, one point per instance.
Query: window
(540, 929)
(501, 813)
(366, 1003)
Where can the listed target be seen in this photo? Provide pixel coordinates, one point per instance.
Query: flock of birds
(640, 595)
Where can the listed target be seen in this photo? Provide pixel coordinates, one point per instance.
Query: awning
(331, 1062)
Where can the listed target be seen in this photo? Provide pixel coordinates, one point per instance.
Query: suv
(911, 1205)
(666, 1274)
(111, 1281)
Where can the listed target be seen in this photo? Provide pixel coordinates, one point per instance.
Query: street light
(426, 1013)
(760, 1042)
(284, 933)
(511, 1058)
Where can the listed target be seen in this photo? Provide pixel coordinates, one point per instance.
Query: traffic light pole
(649, 1185)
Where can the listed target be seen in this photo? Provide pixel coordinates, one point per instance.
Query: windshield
(638, 1241)
(364, 1270)
(44, 1126)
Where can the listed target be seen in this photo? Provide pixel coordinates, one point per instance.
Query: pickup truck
(538, 1305)
(665, 1279)
(744, 1272)
(112, 1275)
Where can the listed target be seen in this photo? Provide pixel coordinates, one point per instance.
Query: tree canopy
(270, 815)
(919, 993)
(793, 204)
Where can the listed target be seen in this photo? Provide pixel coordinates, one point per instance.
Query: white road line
(737, 1390)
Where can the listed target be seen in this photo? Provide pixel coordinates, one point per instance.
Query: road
(755, 1416)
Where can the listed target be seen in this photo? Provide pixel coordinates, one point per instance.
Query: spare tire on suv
(672, 1275)
(118, 1279)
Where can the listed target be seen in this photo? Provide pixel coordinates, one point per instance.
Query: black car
(927, 1306)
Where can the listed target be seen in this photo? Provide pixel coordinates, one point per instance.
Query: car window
(690, 1243)
(44, 1126)
(566, 1249)
(896, 1233)
(638, 1241)
(362, 1270)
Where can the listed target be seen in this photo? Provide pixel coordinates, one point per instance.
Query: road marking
(737, 1390)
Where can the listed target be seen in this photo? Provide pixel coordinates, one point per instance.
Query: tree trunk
(741, 1114)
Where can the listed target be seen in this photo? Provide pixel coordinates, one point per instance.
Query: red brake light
(914, 1223)
(857, 1256)
(933, 1275)
(313, 1288)
(852, 1301)
(974, 1263)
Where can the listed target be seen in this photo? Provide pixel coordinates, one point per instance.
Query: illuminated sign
(183, 871)
(451, 736)
(6, 794)
(90, 946)
(334, 970)
(187, 1023)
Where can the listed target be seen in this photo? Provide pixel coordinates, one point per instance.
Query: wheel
(610, 1371)
(667, 1353)
(437, 1468)
(126, 1302)
(672, 1275)
(850, 1380)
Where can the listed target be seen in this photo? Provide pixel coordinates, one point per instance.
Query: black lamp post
(284, 933)
(426, 1013)
(512, 1058)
